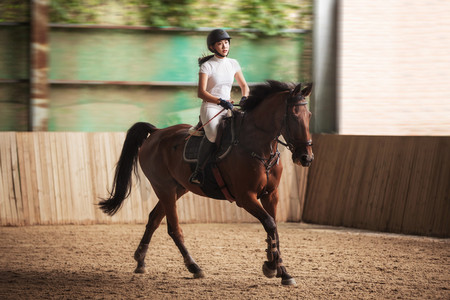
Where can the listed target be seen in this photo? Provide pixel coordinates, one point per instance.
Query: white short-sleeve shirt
(220, 73)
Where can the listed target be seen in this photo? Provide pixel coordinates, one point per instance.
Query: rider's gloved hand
(243, 99)
(225, 104)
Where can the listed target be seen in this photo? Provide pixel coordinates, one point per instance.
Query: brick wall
(394, 67)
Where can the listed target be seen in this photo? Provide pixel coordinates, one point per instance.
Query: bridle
(274, 156)
(291, 101)
(268, 163)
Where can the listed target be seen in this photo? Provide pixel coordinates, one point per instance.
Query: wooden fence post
(39, 66)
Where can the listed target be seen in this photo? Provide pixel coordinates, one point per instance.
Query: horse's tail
(121, 188)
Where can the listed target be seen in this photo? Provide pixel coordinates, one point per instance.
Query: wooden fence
(58, 177)
(394, 184)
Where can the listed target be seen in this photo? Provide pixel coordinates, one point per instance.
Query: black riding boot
(203, 154)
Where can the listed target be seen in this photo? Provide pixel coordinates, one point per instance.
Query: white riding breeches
(207, 112)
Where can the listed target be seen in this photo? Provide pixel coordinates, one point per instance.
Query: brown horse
(272, 109)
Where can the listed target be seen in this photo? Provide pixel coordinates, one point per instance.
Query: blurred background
(108, 64)
(95, 65)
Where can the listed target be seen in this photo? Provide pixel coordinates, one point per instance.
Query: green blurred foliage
(269, 17)
(14, 11)
(161, 13)
(73, 11)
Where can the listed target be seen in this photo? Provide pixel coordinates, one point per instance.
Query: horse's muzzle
(303, 159)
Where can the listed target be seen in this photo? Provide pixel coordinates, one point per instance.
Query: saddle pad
(190, 152)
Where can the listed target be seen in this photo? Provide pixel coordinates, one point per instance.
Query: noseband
(297, 100)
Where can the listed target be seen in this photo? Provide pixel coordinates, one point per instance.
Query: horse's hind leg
(191, 265)
(175, 232)
(154, 219)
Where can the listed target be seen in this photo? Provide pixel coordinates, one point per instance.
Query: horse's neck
(263, 124)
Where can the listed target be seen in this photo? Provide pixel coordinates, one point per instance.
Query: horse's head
(296, 128)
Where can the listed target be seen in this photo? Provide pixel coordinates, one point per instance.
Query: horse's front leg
(274, 264)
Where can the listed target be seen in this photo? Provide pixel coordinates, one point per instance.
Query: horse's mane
(261, 91)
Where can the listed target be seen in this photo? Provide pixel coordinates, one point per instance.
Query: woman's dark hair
(204, 58)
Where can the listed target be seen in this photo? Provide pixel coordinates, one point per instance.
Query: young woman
(216, 76)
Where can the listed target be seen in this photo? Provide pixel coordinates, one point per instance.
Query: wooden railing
(58, 178)
(395, 184)
(384, 183)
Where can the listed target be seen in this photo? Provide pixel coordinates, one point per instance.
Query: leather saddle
(224, 141)
(214, 186)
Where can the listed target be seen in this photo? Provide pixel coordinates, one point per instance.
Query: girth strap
(221, 183)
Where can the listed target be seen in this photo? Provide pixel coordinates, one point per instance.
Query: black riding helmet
(216, 36)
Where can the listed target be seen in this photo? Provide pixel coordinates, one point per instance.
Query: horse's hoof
(140, 270)
(199, 274)
(269, 273)
(288, 281)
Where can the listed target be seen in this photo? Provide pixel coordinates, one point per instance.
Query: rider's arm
(245, 90)
(202, 93)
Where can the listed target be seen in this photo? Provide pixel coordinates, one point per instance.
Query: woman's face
(223, 47)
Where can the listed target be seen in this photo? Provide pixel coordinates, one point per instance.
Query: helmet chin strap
(217, 52)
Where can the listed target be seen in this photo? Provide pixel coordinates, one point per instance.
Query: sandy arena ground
(96, 262)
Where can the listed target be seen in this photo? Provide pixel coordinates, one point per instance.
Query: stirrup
(196, 178)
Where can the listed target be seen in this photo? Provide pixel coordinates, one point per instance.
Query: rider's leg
(210, 115)
(204, 152)
(197, 130)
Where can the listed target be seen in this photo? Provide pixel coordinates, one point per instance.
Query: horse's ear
(297, 89)
(307, 90)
